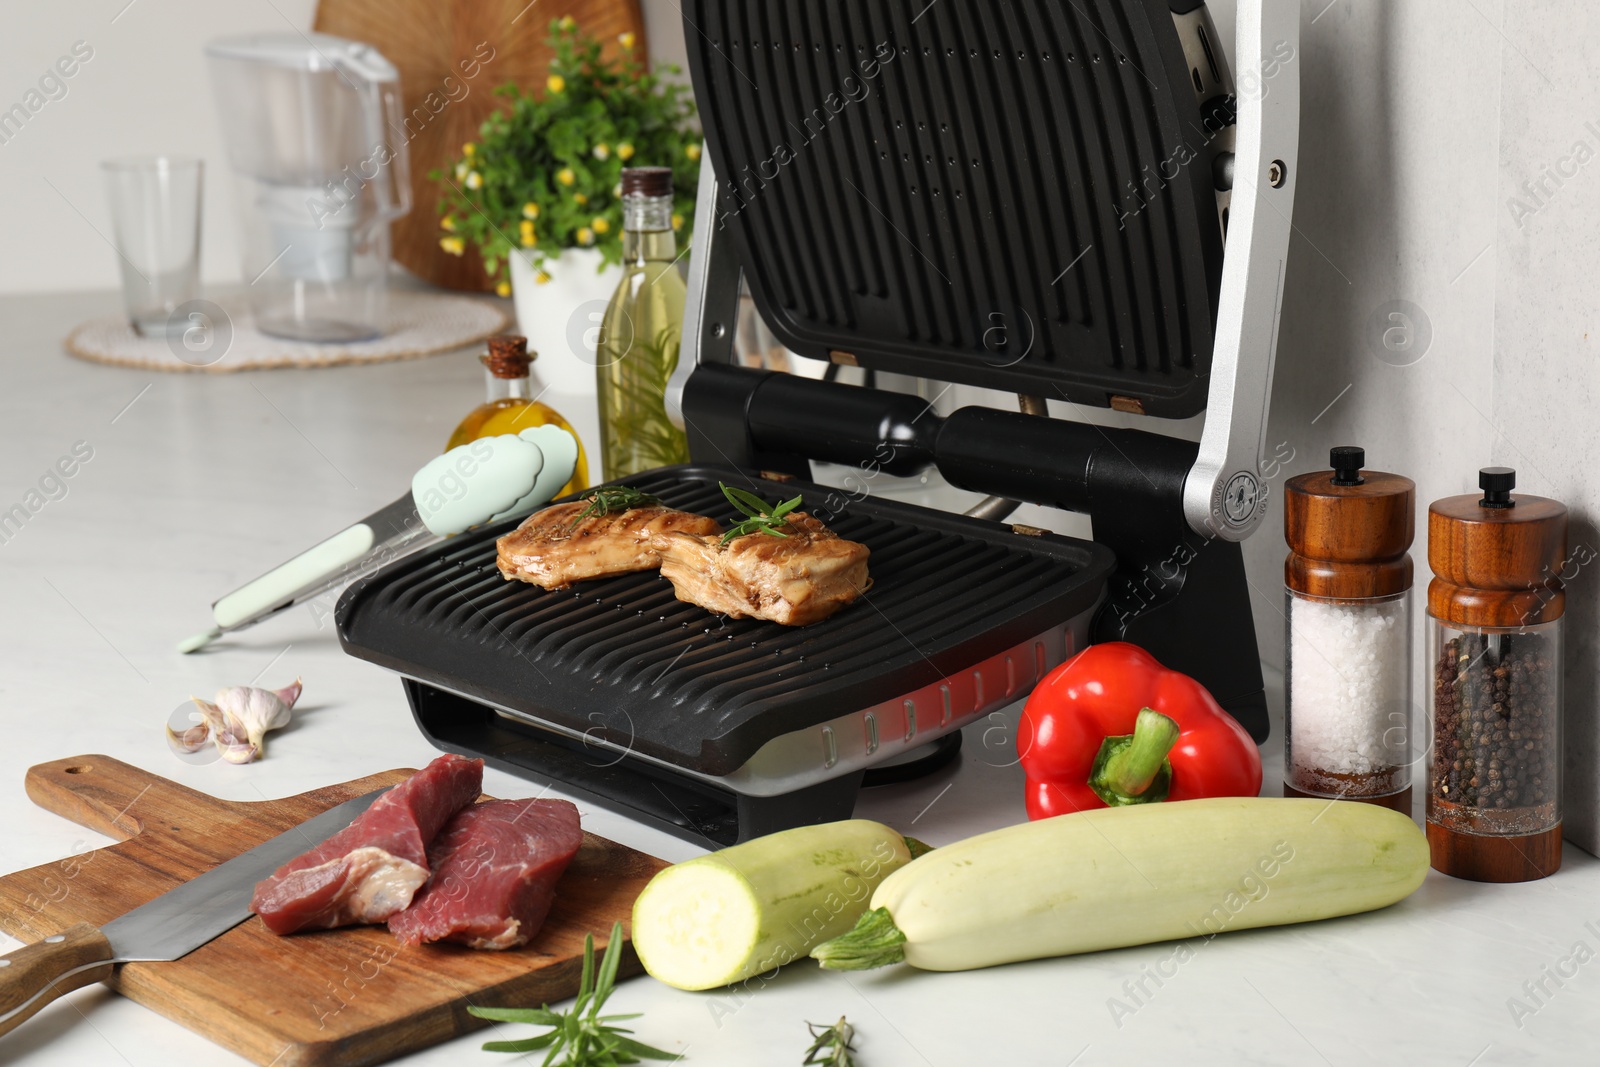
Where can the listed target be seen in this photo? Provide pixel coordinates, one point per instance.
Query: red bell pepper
(1112, 726)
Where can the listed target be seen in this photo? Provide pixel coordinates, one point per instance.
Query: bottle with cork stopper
(511, 407)
(1496, 611)
(1348, 577)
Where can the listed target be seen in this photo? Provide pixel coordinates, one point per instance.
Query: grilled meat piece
(794, 580)
(550, 551)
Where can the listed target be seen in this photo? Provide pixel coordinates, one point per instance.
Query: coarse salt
(1348, 687)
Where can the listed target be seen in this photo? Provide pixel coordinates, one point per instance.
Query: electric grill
(1028, 196)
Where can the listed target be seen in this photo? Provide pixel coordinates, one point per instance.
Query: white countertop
(198, 483)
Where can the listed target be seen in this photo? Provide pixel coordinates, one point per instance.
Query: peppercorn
(1493, 708)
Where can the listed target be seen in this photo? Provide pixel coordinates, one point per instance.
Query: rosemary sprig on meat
(760, 516)
(582, 1036)
(831, 1045)
(612, 498)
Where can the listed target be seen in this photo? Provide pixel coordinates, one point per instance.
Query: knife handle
(36, 974)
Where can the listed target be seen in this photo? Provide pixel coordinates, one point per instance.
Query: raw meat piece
(798, 579)
(550, 551)
(371, 869)
(495, 868)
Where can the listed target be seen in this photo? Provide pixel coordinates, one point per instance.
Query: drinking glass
(155, 220)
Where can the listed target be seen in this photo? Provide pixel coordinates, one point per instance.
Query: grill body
(616, 677)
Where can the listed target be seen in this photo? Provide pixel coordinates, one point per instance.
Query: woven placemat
(420, 324)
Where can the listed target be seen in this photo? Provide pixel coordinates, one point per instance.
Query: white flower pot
(561, 318)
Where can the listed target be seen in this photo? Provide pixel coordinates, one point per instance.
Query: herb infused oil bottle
(643, 325)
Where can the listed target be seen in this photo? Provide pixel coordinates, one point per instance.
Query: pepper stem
(1134, 769)
(875, 942)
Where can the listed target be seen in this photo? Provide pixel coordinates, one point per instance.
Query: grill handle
(760, 418)
(1180, 593)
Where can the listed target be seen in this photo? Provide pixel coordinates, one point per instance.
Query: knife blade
(167, 928)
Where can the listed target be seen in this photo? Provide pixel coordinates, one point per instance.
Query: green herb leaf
(761, 517)
(830, 1045)
(581, 1037)
(608, 499)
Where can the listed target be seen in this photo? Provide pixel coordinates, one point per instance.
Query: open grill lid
(1011, 195)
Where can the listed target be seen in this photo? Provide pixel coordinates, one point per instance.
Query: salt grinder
(1348, 589)
(1496, 609)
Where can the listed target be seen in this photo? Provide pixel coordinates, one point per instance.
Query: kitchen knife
(483, 481)
(166, 928)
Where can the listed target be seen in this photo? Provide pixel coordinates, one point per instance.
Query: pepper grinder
(1496, 605)
(1348, 590)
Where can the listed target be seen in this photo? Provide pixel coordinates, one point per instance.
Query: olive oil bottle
(638, 345)
(511, 407)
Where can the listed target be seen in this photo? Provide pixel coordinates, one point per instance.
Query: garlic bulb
(238, 721)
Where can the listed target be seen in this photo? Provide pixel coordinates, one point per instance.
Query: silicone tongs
(483, 481)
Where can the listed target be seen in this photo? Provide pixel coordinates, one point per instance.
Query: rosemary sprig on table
(831, 1046)
(760, 516)
(587, 1038)
(609, 498)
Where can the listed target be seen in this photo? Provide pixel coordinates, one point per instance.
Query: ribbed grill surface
(622, 658)
(909, 182)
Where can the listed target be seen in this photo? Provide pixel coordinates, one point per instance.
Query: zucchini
(1123, 876)
(728, 916)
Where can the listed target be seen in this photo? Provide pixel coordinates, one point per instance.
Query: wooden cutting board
(346, 997)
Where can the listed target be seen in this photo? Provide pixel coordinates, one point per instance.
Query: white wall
(1543, 417)
(145, 90)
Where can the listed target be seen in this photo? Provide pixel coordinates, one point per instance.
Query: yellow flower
(502, 289)
(530, 210)
(461, 171)
(468, 149)
(692, 151)
(528, 236)
(454, 245)
(566, 22)
(448, 224)
(626, 40)
(555, 83)
(579, 199)
(541, 278)
(625, 151)
(602, 151)
(585, 235)
(565, 176)
(474, 180)
(601, 225)
(677, 222)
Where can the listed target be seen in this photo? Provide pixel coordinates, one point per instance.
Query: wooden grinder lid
(1349, 530)
(1497, 558)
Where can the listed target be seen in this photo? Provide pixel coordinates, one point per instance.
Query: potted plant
(538, 193)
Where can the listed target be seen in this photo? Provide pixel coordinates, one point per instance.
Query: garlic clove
(289, 693)
(255, 711)
(210, 714)
(191, 740)
(243, 752)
